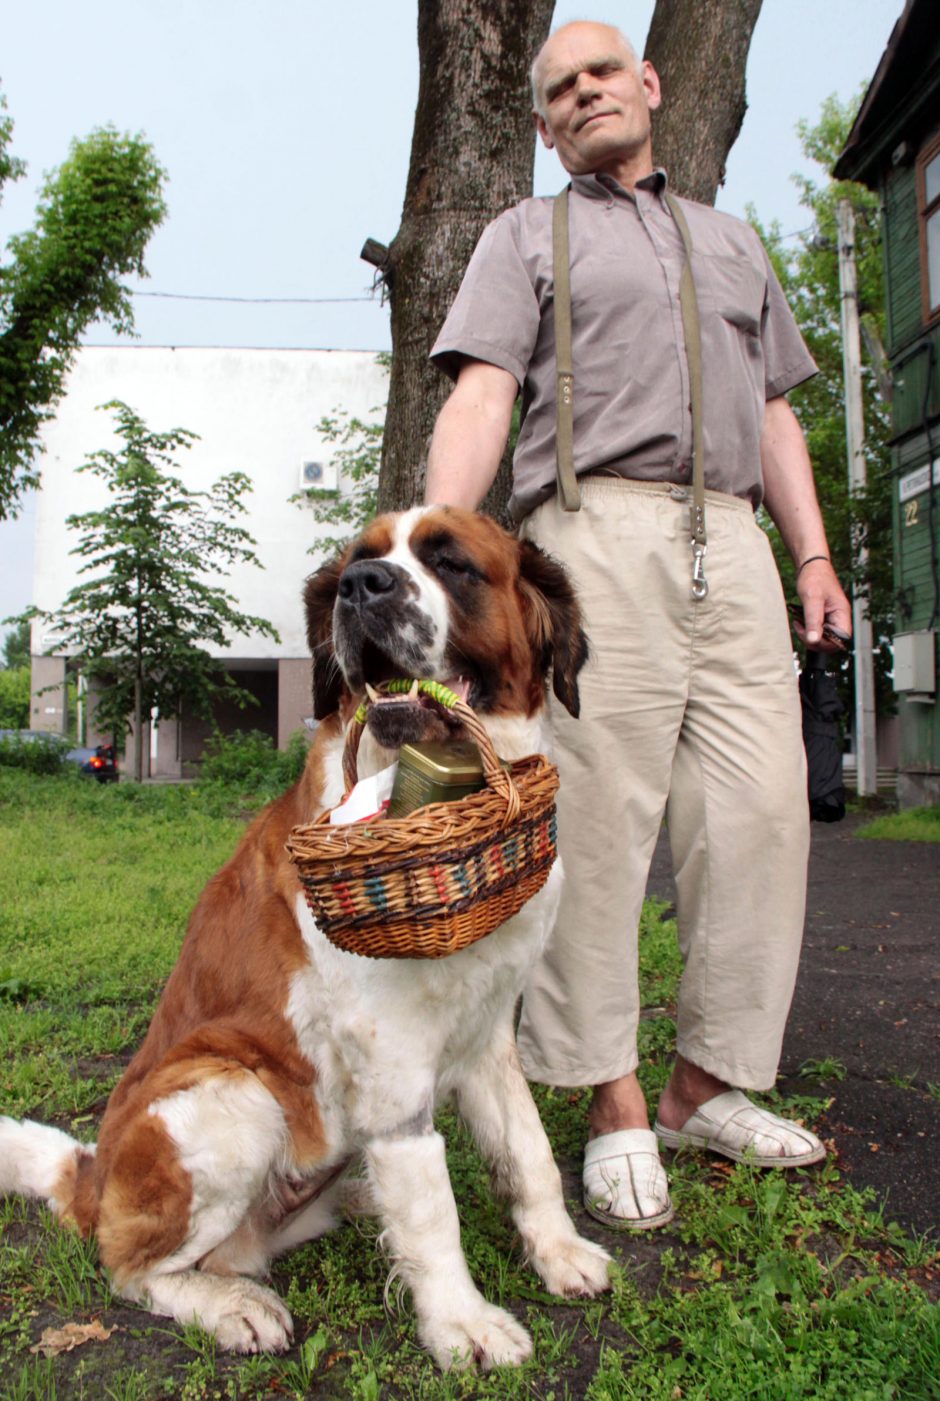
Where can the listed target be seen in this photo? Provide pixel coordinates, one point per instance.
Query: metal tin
(435, 773)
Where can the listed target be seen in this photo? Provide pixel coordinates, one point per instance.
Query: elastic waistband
(601, 484)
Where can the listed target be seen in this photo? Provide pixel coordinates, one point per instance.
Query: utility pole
(865, 746)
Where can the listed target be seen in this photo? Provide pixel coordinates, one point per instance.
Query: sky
(285, 130)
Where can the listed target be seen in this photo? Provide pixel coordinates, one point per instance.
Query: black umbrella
(822, 736)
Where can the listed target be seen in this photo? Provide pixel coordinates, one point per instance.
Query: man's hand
(470, 435)
(823, 602)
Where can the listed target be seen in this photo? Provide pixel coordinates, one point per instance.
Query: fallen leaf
(56, 1340)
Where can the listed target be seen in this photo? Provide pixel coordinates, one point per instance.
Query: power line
(268, 301)
(337, 301)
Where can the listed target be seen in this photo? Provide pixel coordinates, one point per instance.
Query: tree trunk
(699, 49)
(471, 157)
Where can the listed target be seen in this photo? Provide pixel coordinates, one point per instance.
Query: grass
(766, 1287)
(911, 825)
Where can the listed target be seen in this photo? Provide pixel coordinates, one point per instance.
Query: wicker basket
(430, 883)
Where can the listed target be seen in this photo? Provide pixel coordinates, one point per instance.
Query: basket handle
(496, 776)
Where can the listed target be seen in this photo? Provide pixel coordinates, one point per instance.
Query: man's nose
(587, 87)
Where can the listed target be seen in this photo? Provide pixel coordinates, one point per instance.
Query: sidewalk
(868, 997)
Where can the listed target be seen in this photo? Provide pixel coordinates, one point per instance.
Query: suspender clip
(699, 582)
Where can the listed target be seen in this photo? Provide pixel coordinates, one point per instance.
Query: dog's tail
(37, 1160)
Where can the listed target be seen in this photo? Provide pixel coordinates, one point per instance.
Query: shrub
(43, 756)
(248, 761)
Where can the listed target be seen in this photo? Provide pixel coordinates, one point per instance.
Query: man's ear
(319, 598)
(553, 619)
(543, 131)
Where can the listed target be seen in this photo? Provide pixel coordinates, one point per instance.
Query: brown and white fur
(274, 1059)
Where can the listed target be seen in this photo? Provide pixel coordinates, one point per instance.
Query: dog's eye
(454, 564)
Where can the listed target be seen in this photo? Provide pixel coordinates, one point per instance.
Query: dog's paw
(572, 1266)
(486, 1337)
(253, 1320)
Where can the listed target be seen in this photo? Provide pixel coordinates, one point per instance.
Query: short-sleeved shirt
(632, 412)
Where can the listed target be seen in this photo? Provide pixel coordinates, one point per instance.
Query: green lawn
(911, 825)
(765, 1287)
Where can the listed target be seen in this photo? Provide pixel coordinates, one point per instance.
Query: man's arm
(790, 497)
(470, 435)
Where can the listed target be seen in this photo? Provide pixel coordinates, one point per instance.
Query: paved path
(868, 997)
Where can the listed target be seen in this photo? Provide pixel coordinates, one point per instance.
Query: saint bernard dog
(275, 1060)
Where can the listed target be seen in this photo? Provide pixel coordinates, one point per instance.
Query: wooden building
(894, 149)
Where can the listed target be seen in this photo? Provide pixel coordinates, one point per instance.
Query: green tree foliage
(16, 644)
(95, 216)
(809, 272)
(138, 625)
(14, 698)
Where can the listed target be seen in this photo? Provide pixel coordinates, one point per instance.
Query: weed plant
(767, 1286)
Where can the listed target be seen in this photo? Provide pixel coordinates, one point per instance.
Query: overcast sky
(285, 128)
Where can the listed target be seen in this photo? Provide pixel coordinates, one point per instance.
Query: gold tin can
(435, 773)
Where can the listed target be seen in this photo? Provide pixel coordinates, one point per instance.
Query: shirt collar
(603, 186)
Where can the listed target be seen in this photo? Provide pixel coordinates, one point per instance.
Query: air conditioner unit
(319, 476)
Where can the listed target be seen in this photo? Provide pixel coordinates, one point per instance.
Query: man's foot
(731, 1125)
(624, 1181)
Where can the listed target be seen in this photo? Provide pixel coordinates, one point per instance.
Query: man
(689, 704)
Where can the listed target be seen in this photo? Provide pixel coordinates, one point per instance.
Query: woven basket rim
(483, 810)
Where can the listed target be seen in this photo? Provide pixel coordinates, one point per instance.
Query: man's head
(593, 99)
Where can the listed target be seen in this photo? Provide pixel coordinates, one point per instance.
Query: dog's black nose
(366, 581)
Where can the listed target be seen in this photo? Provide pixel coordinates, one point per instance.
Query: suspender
(568, 491)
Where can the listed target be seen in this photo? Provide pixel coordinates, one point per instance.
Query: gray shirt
(631, 381)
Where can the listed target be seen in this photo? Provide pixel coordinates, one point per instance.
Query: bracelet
(811, 559)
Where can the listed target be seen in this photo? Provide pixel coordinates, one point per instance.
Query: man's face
(596, 102)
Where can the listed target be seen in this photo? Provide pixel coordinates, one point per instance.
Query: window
(928, 199)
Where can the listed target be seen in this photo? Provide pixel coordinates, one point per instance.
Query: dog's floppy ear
(553, 618)
(319, 598)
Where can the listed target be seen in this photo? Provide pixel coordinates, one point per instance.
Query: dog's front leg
(422, 1234)
(496, 1103)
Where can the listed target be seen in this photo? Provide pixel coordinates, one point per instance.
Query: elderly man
(689, 703)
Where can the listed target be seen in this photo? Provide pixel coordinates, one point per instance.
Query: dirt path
(868, 997)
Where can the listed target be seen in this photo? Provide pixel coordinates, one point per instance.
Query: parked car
(99, 763)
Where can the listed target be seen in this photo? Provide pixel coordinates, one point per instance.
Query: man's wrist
(812, 559)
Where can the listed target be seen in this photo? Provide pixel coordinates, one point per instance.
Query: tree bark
(699, 49)
(471, 157)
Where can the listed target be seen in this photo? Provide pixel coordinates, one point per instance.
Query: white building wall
(256, 411)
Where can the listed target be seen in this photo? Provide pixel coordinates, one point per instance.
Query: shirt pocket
(732, 288)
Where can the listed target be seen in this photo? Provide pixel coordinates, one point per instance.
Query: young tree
(471, 157)
(95, 217)
(16, 647)
(139, 624)
(809, 272)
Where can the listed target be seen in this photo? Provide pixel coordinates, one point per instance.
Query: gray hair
(534, 73)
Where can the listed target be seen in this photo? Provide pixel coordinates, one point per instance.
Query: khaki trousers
(688, 709)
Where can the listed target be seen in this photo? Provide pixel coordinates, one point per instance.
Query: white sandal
(731, 1125)
(624, 1181)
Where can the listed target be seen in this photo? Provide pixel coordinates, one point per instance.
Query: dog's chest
(388, 1036)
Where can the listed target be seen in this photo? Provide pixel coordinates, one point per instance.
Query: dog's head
(443, 593)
